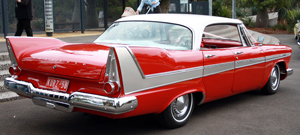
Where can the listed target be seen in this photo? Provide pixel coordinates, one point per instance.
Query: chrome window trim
(246, 32)
(241, 36)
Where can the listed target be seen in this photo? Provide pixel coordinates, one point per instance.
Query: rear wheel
(178, 112)
(273, 83)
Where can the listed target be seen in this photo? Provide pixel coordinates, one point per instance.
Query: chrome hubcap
(274, 78)
(180, 106)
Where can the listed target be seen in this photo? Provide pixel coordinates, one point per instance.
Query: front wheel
(178, 112)
(273, 83)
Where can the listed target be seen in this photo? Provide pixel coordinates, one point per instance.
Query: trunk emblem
(54, 67)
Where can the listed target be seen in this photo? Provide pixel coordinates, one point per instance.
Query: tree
(263, 6)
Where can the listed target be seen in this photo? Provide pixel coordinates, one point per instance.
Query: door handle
(209, 55)
(238, 52)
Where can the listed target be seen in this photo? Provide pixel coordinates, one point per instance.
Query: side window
(221, 36)
(248, 37)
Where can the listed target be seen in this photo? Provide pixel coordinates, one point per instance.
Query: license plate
(57, 84)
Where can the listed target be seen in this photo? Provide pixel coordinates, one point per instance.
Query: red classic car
(159, 63)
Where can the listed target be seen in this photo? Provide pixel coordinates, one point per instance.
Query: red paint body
(84, 66)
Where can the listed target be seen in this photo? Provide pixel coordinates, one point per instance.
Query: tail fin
(16, 46)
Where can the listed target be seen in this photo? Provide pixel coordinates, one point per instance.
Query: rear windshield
(149, 34)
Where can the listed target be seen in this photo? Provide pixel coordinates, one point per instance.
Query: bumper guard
(289, 71)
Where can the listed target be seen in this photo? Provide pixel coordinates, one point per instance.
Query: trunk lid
(76, 60)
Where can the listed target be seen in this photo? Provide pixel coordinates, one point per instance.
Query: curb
(64, 35)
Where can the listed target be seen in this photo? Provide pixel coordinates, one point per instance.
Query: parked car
(190, 60)
(297, 33)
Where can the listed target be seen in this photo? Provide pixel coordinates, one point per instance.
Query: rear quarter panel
(274, 54)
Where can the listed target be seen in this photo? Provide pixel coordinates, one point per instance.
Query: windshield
(149, 34)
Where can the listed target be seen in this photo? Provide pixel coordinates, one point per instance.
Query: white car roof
(183, 19)
(196, 23)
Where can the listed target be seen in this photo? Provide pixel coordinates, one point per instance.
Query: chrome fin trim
(136, 62)
(11, 53)
(130, 70)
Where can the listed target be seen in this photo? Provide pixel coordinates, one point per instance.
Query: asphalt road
(249, 113)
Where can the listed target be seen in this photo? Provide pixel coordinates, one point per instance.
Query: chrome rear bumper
(66, 102)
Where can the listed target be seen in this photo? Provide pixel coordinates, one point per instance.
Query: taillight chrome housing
(14, 70)
(112, 81)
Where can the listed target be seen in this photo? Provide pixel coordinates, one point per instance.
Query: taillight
(14, 70)
(111, 87)
(112, 79)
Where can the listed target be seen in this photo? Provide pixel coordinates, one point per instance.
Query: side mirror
(260, 40)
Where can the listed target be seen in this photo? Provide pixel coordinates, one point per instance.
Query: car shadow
(82, 123)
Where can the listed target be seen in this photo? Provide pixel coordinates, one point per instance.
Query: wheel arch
(198, 95)
(282, 68)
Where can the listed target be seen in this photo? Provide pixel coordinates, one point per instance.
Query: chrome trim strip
(289, 71)
(134, 82)
(249, 62)
(108, 61)
(174, 72)
(65, 102)
(136, 62)
(105, 104)
(217, 68)
(278, 56)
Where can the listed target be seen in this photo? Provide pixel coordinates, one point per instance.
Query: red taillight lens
(111, 87)
(14, 70)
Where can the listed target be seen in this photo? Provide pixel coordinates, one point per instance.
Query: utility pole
(233, 9)
(210, 7)
(81, 5)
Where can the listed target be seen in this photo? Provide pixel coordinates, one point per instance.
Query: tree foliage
(263, 6)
